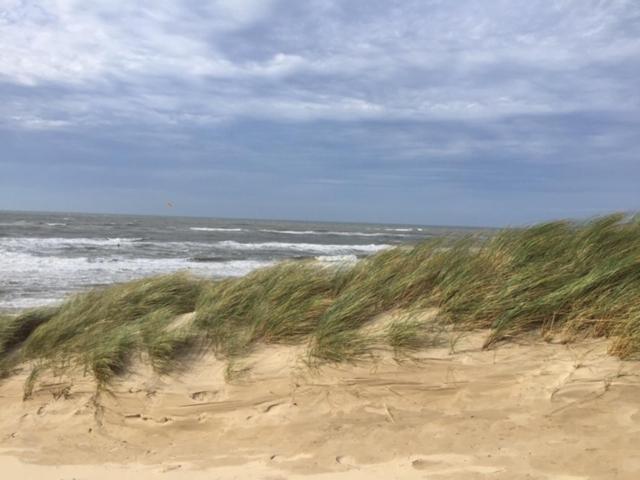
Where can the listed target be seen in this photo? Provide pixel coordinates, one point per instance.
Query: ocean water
(46, 256)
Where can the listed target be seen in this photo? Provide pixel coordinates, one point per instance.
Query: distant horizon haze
(174, 214)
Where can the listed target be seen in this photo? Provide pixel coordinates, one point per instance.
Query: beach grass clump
(560, 278)
(168, 340)
(109, 354)
(102, 328)
(410, 335)
(280, 304)
(569, 278)
(347, 345)
(15, 329)
(370, 288)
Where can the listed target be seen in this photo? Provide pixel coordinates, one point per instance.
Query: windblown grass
(14, 330)
(101, 329)
(281, 304)
(560, 279)
(410, 335)
(167, 345)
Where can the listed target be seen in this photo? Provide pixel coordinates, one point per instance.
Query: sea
(44, 257)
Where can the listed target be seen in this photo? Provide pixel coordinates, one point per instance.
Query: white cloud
(169, 61)
(36, 123)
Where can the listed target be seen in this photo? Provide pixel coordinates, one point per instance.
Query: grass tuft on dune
(559, 279)
(103, 328)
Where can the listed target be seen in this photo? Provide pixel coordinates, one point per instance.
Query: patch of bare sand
(522, 411)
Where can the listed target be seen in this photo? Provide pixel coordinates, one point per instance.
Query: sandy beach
(531, 410)
(320, 240)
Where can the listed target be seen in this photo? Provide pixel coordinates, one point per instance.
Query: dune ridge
(530, 410)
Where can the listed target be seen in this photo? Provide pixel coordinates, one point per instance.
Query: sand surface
(522, 411)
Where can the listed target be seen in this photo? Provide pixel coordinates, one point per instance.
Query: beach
(350, 240)
(509, 356)
(533, 410)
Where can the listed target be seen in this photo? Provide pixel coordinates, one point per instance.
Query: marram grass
(559, 279)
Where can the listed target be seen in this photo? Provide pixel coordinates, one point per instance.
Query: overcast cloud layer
(486, 112)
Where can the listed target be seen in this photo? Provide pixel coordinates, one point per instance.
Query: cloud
(250, 58)
(471, 95)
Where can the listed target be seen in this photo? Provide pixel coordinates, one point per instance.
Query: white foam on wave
(304, 247)
(54, 224)
(40, 270)
(344, 234)
(35, 243)
(34, 266)
(50, 277)
(28, 302)
(292, 232)
(212, 229)
(17, 223)
(56, 246)
(337, 259)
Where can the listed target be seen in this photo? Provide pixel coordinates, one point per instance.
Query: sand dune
(522, 411)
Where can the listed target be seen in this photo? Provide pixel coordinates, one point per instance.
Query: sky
(433, 112)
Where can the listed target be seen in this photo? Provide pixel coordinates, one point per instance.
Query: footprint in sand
(139, 416)
(277, 406)
(130, 416)
(272, 407)
(204, 395)
(450, 463)
(346, 461)
(170, 468)
(422, 464)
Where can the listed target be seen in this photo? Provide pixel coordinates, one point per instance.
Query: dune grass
(280, 304)
(559, 279)
(101, 329)
(14, 330)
